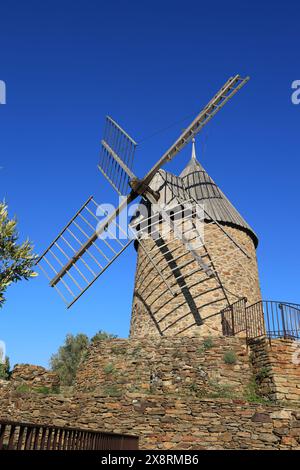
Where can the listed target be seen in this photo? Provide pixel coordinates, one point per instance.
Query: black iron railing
(233, 318)
(25, 436)
(273, 319)
(268, 318)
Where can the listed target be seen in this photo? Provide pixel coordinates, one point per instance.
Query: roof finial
(193, 150)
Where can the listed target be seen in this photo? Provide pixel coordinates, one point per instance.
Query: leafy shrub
(206, 344)
(109, 368)
(66, 361)
(113, 391)
(221, 390)
(251, 393)
(16, 260)
(46, 390)
(262, 374)
(74, 351)
(102, 335)
(230, 357)
(5, 369)
(23, 389)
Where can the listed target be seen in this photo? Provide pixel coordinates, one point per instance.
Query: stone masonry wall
(277, 368)
(164, 422)
(34, 376)
(171, 422)
(155, 311)
(184, 365)
(31, 406)
(178, 394)
(187, 393)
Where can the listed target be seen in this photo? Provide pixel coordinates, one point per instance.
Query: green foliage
(46, 390)
(221, 390)
(200, 392)
(102, 335)
(16, 260)
(206, 344)
(215, 390)
(74, 351)
(109, 368)
(262, 374)
(66, 361)
(251, 393)
(23, 388)
(5, 369)
(56, 389)
(230, 357)
(136, 351)
(118, 350)
(112, 391)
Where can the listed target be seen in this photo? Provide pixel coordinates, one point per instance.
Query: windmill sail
(83, 250)
(116, 158)
(228, 90)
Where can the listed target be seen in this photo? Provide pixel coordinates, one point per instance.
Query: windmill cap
(201, 187)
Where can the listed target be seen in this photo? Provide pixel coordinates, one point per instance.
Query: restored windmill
(186, 272)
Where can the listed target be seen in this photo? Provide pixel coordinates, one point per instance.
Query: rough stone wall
(184, 365)
(177, 393)
(164, 422)
(155, 311)
(34, 376)
(277, 368)
(171, 422)
(34, 407)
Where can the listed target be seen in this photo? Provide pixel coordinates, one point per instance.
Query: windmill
(172, 271)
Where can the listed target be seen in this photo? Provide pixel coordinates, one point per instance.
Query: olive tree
(16, 260)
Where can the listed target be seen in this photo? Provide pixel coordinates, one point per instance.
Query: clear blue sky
(148, 64)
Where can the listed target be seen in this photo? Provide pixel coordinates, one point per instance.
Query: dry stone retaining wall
(277, 367)
(179, 394)
(183, 365)
(164, 422)
(34, 376)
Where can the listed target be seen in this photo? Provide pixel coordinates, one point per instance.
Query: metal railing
(268, 318)
(233, 318)
(273, 319)
(27, 436)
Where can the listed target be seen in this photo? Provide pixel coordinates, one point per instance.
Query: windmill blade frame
(227, 91)
(116, 159)
(66, 266)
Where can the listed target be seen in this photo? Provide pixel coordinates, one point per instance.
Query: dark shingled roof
(202, 188)
(194, 182)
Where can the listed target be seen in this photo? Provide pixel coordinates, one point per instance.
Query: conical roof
(201, 187)
(194, 182)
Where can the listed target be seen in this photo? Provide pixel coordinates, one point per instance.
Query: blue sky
(148, 64)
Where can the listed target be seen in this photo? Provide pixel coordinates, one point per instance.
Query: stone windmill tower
(228, 242)
(200, 255)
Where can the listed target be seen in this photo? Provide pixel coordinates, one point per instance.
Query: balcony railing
(233, 318)
(268, 318)
(25, 436)
(273, 319)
